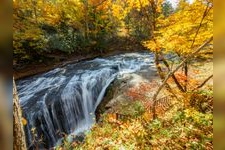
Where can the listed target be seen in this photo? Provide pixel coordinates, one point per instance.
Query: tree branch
(203, 83)
(176, 69)
(203, 17)
(207, 9)
(173, 76)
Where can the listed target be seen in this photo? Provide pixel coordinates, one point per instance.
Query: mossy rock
(115, 89)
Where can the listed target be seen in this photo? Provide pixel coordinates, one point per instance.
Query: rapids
(63, 101)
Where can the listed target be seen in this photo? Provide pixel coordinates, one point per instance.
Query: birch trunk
(19, 142)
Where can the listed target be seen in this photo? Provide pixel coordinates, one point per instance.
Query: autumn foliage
(140, 93)
(184, 110)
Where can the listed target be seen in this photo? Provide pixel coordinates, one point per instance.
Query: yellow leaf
(24, 121)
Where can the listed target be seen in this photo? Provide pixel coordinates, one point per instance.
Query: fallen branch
(172, 72)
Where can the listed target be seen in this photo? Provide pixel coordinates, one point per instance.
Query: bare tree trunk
(19, 142)
(86, 20)
(34, 3)
(157, 64)
(186, 76)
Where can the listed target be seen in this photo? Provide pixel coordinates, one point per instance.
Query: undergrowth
(178, 128)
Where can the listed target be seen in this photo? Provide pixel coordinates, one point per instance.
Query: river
(63, 101)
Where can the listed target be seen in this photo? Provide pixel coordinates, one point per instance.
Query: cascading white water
(64, 100)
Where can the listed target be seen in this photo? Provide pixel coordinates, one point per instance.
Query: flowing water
(63, 101)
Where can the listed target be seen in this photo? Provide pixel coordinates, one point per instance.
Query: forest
(112, 74)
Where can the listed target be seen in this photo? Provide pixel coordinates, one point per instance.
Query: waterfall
(63, 101)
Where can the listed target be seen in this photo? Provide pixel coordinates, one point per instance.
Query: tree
(167, 8)
(176, 69)
(28, 38)
(19, 142)
(181, 32)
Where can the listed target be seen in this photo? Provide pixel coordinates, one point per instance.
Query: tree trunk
(186, 76)
(86, 20)
(19, 142)
(173, 71)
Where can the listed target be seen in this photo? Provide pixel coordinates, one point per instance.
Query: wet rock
(116, 93)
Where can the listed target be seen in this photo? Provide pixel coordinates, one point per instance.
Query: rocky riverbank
(117, 97)
(61, 59)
